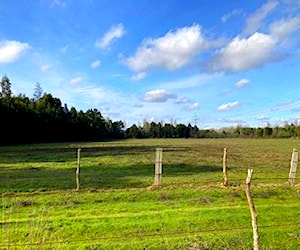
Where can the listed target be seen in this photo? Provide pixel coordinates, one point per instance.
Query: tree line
(167, 130)
(43, 118)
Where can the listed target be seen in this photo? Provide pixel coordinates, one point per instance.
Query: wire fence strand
(150, 235)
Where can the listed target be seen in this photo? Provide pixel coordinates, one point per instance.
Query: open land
(118, 208)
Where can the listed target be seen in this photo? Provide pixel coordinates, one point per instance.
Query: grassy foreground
(116, 207)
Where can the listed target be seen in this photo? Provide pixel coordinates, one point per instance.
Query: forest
(161, 130)
(43, 118)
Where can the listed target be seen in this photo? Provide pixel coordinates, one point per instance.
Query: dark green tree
(5, 87)
(38, 91)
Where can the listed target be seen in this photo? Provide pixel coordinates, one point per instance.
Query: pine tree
(5, 87)
(38, 91)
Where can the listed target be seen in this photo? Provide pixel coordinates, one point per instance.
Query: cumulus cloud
(158, 95)
(10, 51)
(95, 64)
(245, 53)
(115, 32)
(228, 106)
(75, 81)
(242, 83)
(254, 51)
(171, 51)
(192, 107)
(255, 20)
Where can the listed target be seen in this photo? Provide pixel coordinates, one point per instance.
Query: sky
(210, 63)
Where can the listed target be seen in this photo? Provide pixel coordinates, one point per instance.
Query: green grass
(116, 208)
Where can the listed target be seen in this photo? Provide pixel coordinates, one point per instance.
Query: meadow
(118, 208)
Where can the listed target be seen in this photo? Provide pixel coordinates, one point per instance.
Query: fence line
(71, 176)
(158, 173)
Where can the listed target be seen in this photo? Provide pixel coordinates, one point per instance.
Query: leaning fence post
(158, 168)
(78, 170)
(293, 168)
(225, 178)
(252, 210)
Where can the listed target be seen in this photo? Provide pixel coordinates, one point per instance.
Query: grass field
(116, 207)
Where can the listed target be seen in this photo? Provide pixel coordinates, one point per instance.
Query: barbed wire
(146, 175)
(167, 182)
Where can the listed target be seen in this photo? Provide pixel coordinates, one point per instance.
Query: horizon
(211, 64)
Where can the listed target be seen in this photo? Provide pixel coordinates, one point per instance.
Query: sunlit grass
(117, 208)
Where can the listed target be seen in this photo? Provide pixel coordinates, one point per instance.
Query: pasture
(117, 207)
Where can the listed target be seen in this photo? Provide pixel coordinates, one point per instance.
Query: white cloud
(158, 95)
(244, 54)
(281, 122)
(182, 100)
(172, 51)
(263, 118)
(242, 83)
(193, 107)
(230, 120)
(10, 51)
(95, 64)
(45, 67)
(285, 105)
(192, 81)
(290, 6)
(115, 32)
(233, 13)
(255, 20)
(284, 28)
(95, 94)
(138, 76)
(228, 106)
(297, 121)
(75, 81)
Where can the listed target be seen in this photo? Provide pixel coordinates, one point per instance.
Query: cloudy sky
(210, 63)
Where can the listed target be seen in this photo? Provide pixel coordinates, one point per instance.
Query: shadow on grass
(185, 169)
(91, 177)
(70, 154)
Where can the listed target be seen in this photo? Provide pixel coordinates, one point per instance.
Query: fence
(101, 176)
(222, 174)
(159, 169)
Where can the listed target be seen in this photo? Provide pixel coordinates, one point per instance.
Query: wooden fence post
(78, 170)
(293, 168)
(252, 210)
(225, 178)
(158, 168)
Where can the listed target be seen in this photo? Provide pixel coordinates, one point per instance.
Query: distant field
(116, 208)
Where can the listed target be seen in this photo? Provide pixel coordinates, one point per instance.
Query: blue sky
(210, 63)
